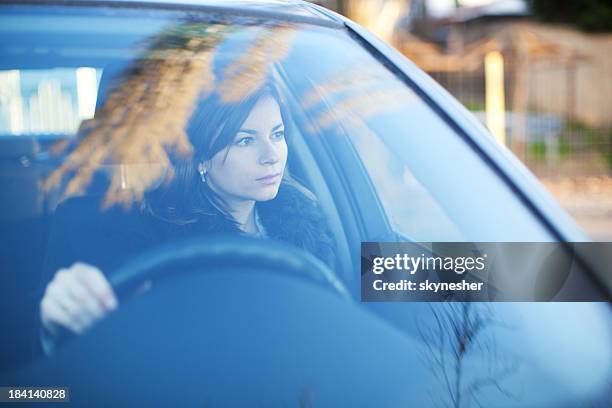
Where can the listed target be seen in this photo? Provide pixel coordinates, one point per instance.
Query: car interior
(27, 161)
(246, 347)
(311, 162)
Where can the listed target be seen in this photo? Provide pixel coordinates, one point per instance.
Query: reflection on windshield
(365, 100)
(46, 101)
(458, 337)
(145, 115)
(358, 92)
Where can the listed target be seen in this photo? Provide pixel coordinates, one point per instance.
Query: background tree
(457, 337)
(588, 15)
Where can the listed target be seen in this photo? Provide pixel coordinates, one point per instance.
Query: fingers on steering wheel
(90, 305)
(93, 279)
(74, 299)
(75, 311)
(58, 314)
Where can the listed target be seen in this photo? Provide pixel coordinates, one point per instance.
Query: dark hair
(212, 127)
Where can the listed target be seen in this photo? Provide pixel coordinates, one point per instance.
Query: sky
(440, 8)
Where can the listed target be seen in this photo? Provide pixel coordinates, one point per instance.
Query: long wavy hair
(211, 129)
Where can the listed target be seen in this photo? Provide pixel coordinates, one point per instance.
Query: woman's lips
(271, 179)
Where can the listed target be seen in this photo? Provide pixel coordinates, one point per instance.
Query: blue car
(232, 264)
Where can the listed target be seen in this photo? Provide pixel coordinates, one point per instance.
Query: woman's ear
(203, 168)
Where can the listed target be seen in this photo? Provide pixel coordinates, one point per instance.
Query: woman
(235, 182)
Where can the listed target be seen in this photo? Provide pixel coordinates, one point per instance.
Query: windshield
(131, 77)
(177, 124)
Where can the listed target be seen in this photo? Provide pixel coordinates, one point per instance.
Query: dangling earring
(203, 175)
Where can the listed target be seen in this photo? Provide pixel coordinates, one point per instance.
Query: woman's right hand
(76, 298)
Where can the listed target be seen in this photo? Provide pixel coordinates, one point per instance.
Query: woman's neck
(244, 214)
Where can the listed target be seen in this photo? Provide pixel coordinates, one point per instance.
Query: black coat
(107, 239)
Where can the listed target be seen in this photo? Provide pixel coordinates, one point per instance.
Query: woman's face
(252, 166)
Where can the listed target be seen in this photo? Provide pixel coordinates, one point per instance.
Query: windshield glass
(54, 83)
(182, 124)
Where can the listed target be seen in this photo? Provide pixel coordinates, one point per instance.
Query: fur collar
(294, 216)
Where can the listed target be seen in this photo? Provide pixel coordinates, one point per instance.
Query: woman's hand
(76, 298)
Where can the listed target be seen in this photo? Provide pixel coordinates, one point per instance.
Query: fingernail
(110, 302)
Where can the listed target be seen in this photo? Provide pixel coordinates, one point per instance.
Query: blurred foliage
(146, 112)
(565, 148)
(588, 15)
(592, 138)
(575, 138)
(474, 106)
(608, 153)
(537, 150)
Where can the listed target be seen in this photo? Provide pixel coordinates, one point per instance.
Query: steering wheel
(259, 315)
(216, 252)
(221, 251)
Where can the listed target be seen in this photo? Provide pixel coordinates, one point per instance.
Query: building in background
(554, 80)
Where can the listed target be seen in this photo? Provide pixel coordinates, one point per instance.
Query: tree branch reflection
(142, 123)
(464, 355)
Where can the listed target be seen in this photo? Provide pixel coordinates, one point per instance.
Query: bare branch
(458, 331)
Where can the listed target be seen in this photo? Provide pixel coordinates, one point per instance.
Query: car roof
(291, 10)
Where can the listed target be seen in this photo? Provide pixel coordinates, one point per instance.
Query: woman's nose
(269, 153)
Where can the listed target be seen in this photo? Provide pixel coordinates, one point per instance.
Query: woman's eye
(278, 134)
(244, 141)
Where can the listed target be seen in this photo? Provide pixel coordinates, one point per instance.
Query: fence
(547, 125)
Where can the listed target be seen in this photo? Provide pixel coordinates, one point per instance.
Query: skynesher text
(405, 284)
